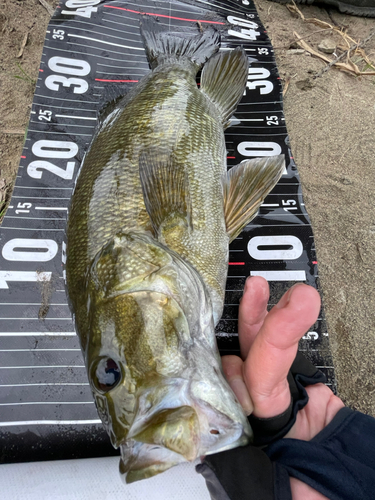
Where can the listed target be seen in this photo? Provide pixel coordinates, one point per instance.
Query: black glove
(301, 374)
(247, 472)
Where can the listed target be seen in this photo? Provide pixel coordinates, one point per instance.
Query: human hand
(269, 344)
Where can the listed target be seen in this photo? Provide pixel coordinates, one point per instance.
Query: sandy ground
(331, 121)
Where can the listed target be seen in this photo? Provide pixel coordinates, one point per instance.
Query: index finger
(252, 311)
(275, 347)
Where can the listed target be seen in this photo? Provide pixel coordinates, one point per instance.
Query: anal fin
(245, 187)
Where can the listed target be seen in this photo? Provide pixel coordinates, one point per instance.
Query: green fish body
(152, 215)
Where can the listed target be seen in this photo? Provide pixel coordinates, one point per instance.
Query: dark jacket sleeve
(339, 462)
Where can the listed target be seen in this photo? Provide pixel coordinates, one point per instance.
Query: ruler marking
(281, 275)
(258, 103)
(265, 112)
(50, 422)
(93, 24)
(106, 73)
(39, 366)
(33, 218)
(38, 197)
(59, 125)
(38, 334)
(105, 43)
(134, 39)
(34, 319)
(220, 7)
(233, 48)
(119, 67)
(28, 304)
(59, 98)
(163, 15)
(30, 229)
(37, 350)
(39, 188)
(270, 134)
(247, 120)
(49, 403)
(44, 383)
(59, 133)
(180, 10)
(76, 117)
(75, 109)
(90, 55)
(51, 208)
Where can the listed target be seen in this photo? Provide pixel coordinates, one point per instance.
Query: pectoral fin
(245, 187)
(165, 187)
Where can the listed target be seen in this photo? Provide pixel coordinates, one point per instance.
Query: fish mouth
(148, 461)
(175, 436)
(169, 437)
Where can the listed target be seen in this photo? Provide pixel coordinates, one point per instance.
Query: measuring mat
(92, 48)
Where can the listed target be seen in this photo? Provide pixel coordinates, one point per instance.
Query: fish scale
(107, 176)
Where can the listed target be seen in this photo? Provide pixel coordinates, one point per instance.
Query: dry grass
(349, 48)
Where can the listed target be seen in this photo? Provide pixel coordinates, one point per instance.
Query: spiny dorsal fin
(224, 79)
(245, 187)
(162, 45)
(165, 187)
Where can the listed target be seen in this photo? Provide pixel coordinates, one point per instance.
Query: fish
(151, 217)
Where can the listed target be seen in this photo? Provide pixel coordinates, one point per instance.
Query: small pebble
(327, 46)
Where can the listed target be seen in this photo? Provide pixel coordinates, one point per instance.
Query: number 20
(35, 169)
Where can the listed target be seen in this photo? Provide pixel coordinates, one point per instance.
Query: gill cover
(134, 261)
(128, 260)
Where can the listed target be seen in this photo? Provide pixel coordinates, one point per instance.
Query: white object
(96, 479)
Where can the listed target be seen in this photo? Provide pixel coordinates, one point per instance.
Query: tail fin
(162, 45)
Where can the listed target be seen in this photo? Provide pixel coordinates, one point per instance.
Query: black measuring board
(46, 406)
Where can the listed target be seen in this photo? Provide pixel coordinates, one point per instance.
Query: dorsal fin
(245, 187)
(224, 79)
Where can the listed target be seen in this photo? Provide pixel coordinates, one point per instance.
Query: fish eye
(107, 374)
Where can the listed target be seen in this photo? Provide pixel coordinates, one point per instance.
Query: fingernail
(284, 301)
(240, 390)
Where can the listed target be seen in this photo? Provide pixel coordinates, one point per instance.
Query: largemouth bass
(151, 218)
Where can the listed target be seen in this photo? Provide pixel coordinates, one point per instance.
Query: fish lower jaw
(142, 460)
(148, 461)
